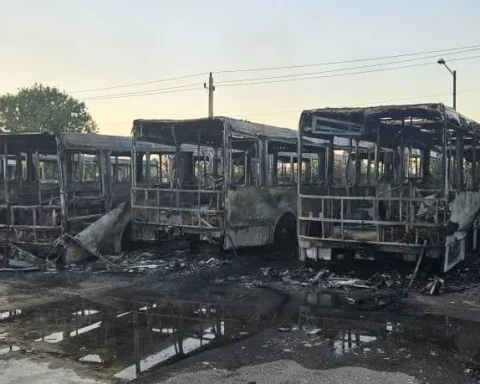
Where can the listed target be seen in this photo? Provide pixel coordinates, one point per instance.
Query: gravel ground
(289, 372)
(27, 371)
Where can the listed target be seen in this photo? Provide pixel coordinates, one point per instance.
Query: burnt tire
(285, 234)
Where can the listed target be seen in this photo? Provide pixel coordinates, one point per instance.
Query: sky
(78, 46)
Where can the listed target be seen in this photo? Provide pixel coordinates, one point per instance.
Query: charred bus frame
(60, 183)
(421, 192)
(227, 188)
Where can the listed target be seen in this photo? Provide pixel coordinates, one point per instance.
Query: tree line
(41, 108)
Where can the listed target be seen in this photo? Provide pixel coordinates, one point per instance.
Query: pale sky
(78, 45)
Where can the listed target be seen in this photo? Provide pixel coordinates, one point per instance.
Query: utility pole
(211, 89)
(454, 89)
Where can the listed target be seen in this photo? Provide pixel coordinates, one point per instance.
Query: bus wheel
(286, 231)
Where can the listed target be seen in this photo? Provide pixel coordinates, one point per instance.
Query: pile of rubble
(324, 278)
(163, 259)
(175, 264)
(465, 281)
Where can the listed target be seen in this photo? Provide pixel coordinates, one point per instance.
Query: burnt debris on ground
(280, 267)
(385, 284)
(170, 258)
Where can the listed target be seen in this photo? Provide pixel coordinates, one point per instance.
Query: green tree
(44, 109)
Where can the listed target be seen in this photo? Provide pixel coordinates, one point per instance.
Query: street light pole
(454, 74)
(455, 89)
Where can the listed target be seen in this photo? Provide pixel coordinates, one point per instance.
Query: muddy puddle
(347, 330)
(127, 339)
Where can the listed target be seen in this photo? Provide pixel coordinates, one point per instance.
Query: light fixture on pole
(441, 61)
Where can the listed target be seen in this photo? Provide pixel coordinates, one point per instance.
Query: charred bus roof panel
(75, 141)
(28, 142)
(210, 131)
(114, 143)
(423, 121)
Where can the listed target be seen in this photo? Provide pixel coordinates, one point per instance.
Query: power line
(283, 78)
(347, 61)
(275, 79)
(142, 83)
(146, 92)
(369, 102)
(339, 69)
(446, 50)
(193, 86)
(423, 97)
(339, 74)
(143, 94)
(324, 77)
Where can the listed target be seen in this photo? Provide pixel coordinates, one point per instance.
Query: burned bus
(53, 184)
(236, 186)
(403, 183)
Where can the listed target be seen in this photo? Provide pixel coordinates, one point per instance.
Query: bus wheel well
(127, 241)
(285, 230)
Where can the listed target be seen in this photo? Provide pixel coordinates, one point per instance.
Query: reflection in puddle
(349, 342)
(183, 346)
(343, 335)
(327, 315)
(345, 329)
(57, 337)
(11, 348)
(10, 314)
(85, 312)
(132, 338)
(165, 331)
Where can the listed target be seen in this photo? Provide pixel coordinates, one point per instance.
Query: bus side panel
(254, 211)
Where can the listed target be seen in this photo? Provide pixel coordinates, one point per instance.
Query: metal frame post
(299, 184)
(445, 154)
(6, 248)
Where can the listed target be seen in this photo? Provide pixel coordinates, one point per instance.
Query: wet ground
(224, 316)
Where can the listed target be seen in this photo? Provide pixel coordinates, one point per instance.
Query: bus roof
(209, 131)
(420, 121)
(47, 142)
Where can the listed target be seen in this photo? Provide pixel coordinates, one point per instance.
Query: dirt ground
(174, 314)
